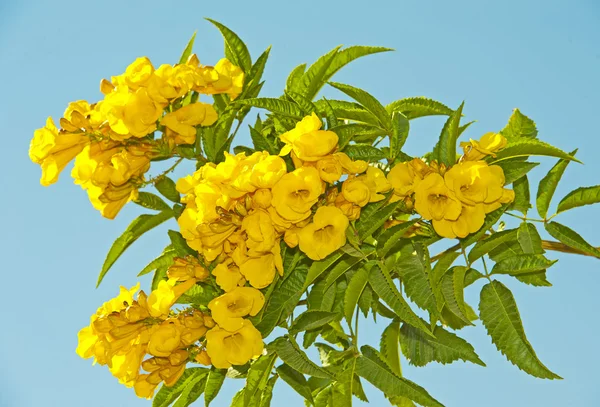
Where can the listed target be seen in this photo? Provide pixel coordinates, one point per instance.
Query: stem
(168, 170)
(525, 219)
(356, 328)
(487, 273)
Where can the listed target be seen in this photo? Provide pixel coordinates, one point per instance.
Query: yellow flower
(138, 74)
(325, 235)
(182, 121)
(203, 358)
(184, 269)
(228, 309)
(377, 182)
(143, 388)
(475, 182)
(141, 113)
(228, 277)
(260, 231)
(267, 171)
(227, 348)
(162, 299)
(120, 302)
(356, 191)
(308, 142)
(53, 151)
(260, 270)
(433, 199)
(470, 221)
(296, 192)
(404, 177)
(262, 198)
(165, 340)
(228, 79)
(351, 166)
(489, 144)
(126, 367)
(330, 169)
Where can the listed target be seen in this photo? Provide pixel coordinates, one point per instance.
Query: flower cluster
(454, 199)
(113, 140)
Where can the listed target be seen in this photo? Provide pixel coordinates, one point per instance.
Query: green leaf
(453, 286)
(390, 237)
(321, 296)
(522, 264)
(235, 49)
(445, 348)
(283, 301)
(288, 350)
(442, 266)
(525, 147)
(519, 125)
(358, 132)
(500, 316)
(571, 238)
(319, 267)
(414, 267)
(353, 291)
(258, 68)
(416, 107)
(167, 187)
(137, 228)
(312, 319)
(369, 102)
(267, 394)
(399, 134)
(215, 380)
(164, 260)
(151, 201)
(579, 197)
(384, 286)
(364, 152)
(159, 275)
(180, 244)
(261, 143)
(490, 220)
(548, 185)
(314, 77)
(329, 114)
(375, 371)
(295, 77)
(167, 395)
(306, 105)
(257, 378)
(366, 225)
(278, 106)
(192, 392)
(445, 149)
(522, 195)
(529, 239)
(198, 294)
(513, 170)
(188, 49)
(296, 380)
(488, 244)
(389, 348)
(352, 111)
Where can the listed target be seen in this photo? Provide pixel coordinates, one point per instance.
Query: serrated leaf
(319, 267)
(137, 228)
(312, 319)
(164, 260)
(180, 245)
(384, 287)
(548, 184)
(166, 395)
(353, 291)
(306, 105)
(159, 275)
(188, 49)
(453, 286)
(490, 220)
(258, 68)
(522, 264)
(369, 224)
(235, 49)
(368, 101)
(166, 186)
(513, 170)
(579, 197)
(491, 242)
(571, 238)
(295, 76)
(346, 263)
(442, 266)
(267, 394)
(522, 199)
(151, 201)
(414, 267)
(445, 149)
(375, 371)
(500, 316)
(329, 113)
(296, 380)
(198, 294)
(345, 110)
(288, 350)
(314, 77)
(214, 381)
(278, 106)
(365, 152)
(358, 132)
(519, 125)
(257, 378)
(389, 346)
(524, 147)
(390, 237)
(261, 143)
(445, 348)
(399, 134)
(529, 239)
(321, 296)
(416, 107)
(191, 392)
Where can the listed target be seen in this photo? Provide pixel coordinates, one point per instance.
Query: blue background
(540, 56)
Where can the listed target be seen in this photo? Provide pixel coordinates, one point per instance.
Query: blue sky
(540, 56)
